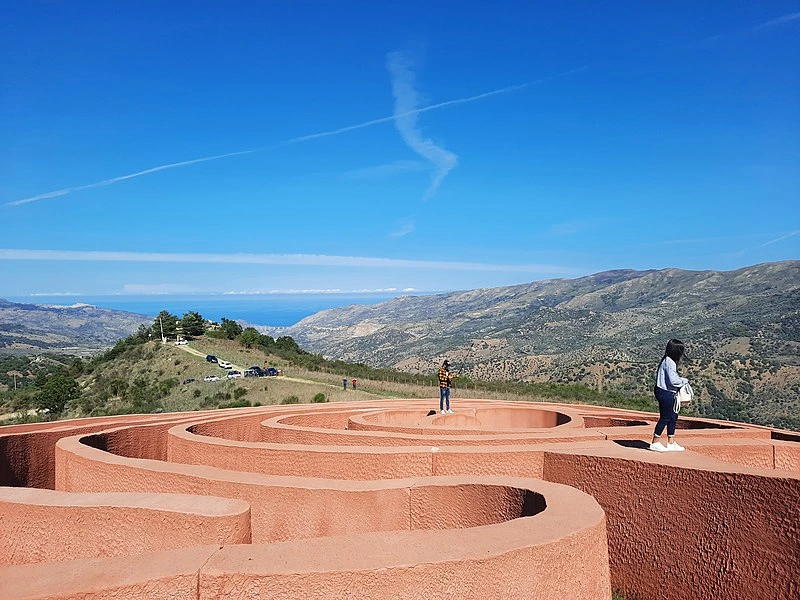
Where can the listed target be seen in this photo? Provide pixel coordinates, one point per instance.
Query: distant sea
(275, 310)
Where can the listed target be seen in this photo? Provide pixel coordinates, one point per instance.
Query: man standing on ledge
(445, 381)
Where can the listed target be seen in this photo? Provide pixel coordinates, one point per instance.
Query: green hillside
(141, 375)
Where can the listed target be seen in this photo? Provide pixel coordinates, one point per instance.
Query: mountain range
(607, 330)
(625, 315)
(76, 329)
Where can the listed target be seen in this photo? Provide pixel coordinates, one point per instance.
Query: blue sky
(212, 147)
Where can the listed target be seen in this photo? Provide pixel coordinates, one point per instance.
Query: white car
(210, 378)
(181, 343)
(224, 364)
(235, 375)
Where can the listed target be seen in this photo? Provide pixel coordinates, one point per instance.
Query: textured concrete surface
(726, 534)
(173, 575)
(384, 499)
(46, 526)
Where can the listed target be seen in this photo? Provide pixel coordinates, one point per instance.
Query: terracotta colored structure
(392, 500)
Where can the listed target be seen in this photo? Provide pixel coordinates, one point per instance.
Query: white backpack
(684, 395)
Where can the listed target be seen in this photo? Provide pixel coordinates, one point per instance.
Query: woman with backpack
(668, 383)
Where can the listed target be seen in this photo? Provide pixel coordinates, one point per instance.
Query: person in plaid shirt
(445, 381)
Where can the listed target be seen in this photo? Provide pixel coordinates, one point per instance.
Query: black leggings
(666, 408)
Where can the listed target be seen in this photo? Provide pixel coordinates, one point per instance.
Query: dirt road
(191, 350)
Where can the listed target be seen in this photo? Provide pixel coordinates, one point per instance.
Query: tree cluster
(54, 391)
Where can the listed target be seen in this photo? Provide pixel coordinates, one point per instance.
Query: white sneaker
(449, 412)
(674, 447)
(444, 412)
(658, 447)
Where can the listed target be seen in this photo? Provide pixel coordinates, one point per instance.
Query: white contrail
(398, 115)
(787, 18)
(416, 111)
(295, 140)
(778, 21)
(104, 182)
(780, 239)
(405, 120)
(268, 259)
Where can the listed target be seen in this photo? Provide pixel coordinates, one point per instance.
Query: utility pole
(163, 339)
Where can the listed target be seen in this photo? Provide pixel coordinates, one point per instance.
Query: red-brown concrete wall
(245, 427)
(172, 575)
(275, 431)
(751, 453)
(511, 461)
(559, 552)
(348, 463)
(27, 451)
(787, 455)
(46, 526)
(677, 532)
(732, 532)
(299, 461)
(575, 567)
(281, 508)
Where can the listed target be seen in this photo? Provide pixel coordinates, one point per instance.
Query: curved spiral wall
(391, 499)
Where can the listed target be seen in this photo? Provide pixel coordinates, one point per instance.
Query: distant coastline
(273, 310)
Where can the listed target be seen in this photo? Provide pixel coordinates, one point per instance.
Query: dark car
(188, 381)
(271, 372)
(211, 358)
(256, 371)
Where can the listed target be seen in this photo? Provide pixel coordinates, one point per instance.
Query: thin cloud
(155, 289)
(295, 140)
(567, 228)
(737, 254)
(782, 20)
(778, 21)
(113, 180)
(698, 240)
(404, 227)
(417, 111)
(405, 103)
(271, 259)
(780, 239)
(744, 251)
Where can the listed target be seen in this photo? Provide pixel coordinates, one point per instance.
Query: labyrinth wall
(390, 499)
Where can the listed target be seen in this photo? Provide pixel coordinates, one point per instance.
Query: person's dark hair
(675, 350)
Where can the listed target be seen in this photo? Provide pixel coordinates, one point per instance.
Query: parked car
(224, 364)
(271, 372)
(211, 358)
(210, 378)
(181, 343)
(234, 375)
(188, 381)
(255, 371)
